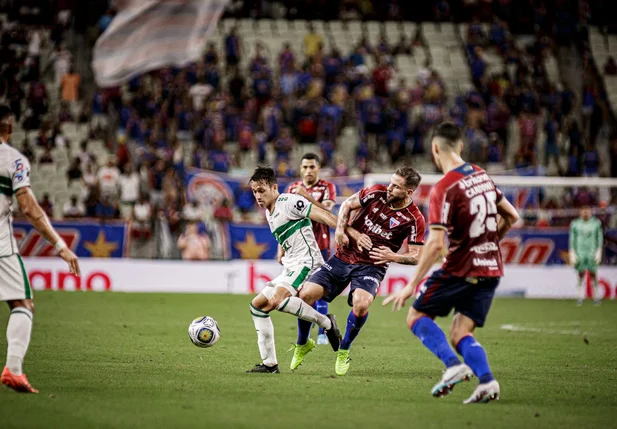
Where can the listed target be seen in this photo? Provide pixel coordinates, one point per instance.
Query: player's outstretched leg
(322, 307)
(434, 339)
(18, 337)
(302, 310)
(475, 357)
(355, 321)
(265, 337)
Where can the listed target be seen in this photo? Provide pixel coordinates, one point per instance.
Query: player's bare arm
(432, 249)
(320, 215)
(350, 204)
(384, 255)
(507, 217)
(36, 216)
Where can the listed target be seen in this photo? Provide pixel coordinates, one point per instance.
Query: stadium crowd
(172, 119)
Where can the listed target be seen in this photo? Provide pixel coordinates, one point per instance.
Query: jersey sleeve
(599, 235)
(439, 208)
(369, 194)
(418, 231)
(297, 207)
(330, 192)
(20, 173)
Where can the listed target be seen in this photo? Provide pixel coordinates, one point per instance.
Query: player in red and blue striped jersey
(464, 205)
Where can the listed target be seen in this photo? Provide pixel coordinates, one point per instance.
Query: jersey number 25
(485, 208)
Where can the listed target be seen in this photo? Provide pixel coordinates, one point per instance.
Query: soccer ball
(204, 331)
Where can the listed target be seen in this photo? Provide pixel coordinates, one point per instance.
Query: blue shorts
(335, 275)
(471, 297)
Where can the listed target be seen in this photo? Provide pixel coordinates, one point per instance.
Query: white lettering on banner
(484, 248)
(377, 229)
(241, 277)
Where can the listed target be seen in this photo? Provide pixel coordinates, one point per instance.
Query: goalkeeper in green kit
(586, 241)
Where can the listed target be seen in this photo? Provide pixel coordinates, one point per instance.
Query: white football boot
(484, 393)
(451, 377)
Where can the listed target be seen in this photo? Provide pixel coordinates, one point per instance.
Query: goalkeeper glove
(573, 258)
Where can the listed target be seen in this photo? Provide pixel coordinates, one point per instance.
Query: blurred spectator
(70, 86)
(106, 208)
(46, 157)
(128, 183)
(193, 212)
(313, 41)
(142, 219)
(74, 172)
(73, 209)
(341, 169)
(194, 245)
(61, 59)
(47, 205)
(107, 178)
(105, 20)
(233, 48)
(245, 201)
(610, 68)
(591, 161)
(85, 157)
(199, 92)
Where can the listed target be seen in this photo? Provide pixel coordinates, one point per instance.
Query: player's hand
(341, 239)
(71, 259)
(302, 192)
(364, 242)
(598, 257)
(382, 255)
(279, 255)
(399, 298)
(573, 258)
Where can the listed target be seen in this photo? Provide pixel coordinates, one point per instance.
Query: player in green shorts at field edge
(586, 241)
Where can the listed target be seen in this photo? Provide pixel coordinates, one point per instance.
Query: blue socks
(475, 358)
(435, 340)
(354, 324)
(322, 308)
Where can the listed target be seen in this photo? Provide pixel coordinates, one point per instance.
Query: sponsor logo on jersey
(376, 209)
(480, 262)
(412, 236)
(377, 229)
(316, 195)
(20, 171)
(394, 223)
(368, 197)
(384, 217)
(484, 248)
(399, 214)
(299, 205)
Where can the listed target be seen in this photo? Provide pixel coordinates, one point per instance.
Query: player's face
(264, 193)
(397, 191)
(309, 170)
(586, 213)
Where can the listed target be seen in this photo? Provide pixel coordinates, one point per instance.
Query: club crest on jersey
(394, 222)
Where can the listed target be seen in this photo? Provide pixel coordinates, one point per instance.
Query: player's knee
(360, 307)
(457, 334)
(311, 293)
(412, 316)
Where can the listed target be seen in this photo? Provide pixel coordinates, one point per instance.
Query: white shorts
(14, 283)
(292, 279)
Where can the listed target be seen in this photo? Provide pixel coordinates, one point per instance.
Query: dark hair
(264, 174)
(5, 112)
(312, 155)
(411, 176)
(448, 132)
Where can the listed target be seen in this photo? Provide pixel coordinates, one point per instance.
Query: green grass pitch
(112, 360)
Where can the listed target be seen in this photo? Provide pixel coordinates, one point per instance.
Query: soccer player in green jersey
(586, 243)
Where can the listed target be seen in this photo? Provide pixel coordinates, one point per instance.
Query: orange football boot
(18, 383)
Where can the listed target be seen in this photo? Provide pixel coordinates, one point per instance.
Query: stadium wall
(242, 277)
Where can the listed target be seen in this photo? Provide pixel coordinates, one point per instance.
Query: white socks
(18, 338)
(265, 336)
(300, 309)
